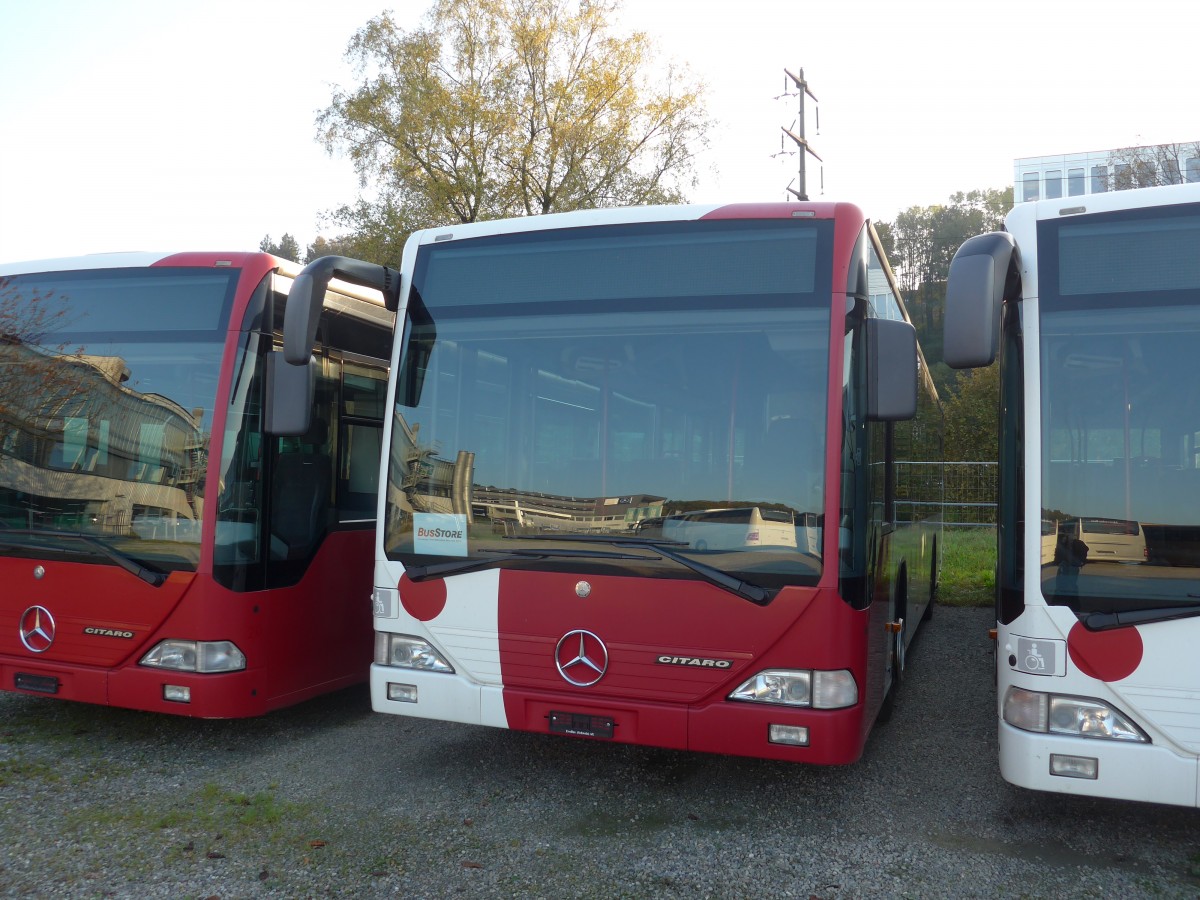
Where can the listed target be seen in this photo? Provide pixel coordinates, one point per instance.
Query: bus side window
(237, 546)
(854, 475)
(364, 392)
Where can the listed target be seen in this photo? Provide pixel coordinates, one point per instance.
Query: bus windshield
(108, 379)
(1121, 411)
(665, 383)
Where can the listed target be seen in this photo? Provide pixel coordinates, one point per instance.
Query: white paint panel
(469, 626)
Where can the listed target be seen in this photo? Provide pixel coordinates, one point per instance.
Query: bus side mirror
(307, 296)
(975, 292)
(291, 390)
(891, 370)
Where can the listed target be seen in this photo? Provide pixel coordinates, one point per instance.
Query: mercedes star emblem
(581, 658)
(37, 629)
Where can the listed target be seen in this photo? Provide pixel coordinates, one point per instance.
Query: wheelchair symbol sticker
(1038, 656)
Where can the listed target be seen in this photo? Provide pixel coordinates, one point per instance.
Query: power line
(805, 148)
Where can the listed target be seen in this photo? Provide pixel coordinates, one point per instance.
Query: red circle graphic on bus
(1106, 655)
(423, 600)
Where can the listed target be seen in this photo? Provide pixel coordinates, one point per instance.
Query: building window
(1074, 182)
(1170, 171)
(1099, 179)
(1053, 184)
(1191, 169)
(1122, 177)
(1030, 186)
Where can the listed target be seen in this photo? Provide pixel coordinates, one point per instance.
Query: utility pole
(801, 142)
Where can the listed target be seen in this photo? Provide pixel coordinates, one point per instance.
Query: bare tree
(1154, 165)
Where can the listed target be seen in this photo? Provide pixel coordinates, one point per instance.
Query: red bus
(160, 548)
(640, 481)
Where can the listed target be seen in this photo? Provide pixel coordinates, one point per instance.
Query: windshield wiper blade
(759, 596)
(747, 590)
(1099, 621)
(631, 541)
(458, 566)
(128, 563)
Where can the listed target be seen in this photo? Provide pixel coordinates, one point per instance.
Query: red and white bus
(160, 549)
(1093, 304)
(563, 387)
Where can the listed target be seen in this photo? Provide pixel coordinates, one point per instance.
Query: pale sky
(162, 125)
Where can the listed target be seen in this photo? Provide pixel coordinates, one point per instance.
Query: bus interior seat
(300, 489)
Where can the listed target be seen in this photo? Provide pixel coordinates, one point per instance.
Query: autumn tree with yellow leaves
(496, 108)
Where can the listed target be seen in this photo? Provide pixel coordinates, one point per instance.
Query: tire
(933, 586)
(889, 701)
(898, 651)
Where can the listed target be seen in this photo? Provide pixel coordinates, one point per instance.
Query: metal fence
(968, 490)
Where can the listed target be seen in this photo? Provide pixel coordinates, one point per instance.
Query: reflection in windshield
(697, 421)
(105, 432)
(1121, 457)
(62, 541)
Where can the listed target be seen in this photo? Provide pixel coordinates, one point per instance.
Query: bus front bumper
(832, 737)
(1123, 771)
(229, 695)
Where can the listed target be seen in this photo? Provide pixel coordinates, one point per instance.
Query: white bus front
(1098, 677)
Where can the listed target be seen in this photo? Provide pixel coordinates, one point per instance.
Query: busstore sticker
(442, 534)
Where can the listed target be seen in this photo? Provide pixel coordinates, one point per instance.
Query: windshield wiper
(759, 596)
(128, 563)
(1099, 621)
(458, 566)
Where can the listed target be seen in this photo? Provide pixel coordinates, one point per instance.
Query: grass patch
(241, 819)
(968, 575)
(19, 770)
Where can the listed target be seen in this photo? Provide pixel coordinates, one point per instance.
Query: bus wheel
(933, 585)
(900, 628)
(897, 652)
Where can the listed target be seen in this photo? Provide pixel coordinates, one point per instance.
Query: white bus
(1094, 307)
(730, 529)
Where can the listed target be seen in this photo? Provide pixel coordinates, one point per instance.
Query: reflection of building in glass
(513, 510)
(79, 448)
(433, 485)
(428, 484)
(1100, 171)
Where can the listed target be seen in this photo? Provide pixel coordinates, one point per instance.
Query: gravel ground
(330, 799)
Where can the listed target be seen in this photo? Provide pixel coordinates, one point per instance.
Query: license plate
(41, 684)
(581, 724)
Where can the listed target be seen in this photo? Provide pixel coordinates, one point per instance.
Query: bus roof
(637, 215)
(1136, 198)
(1021, 222)
(90, 261)
(141, 259)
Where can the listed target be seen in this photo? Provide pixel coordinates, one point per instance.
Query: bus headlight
(195, 656)
(786, 687)
(1074, 716)
(407, 652)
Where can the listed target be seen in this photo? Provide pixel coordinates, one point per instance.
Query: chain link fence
(967, 491)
